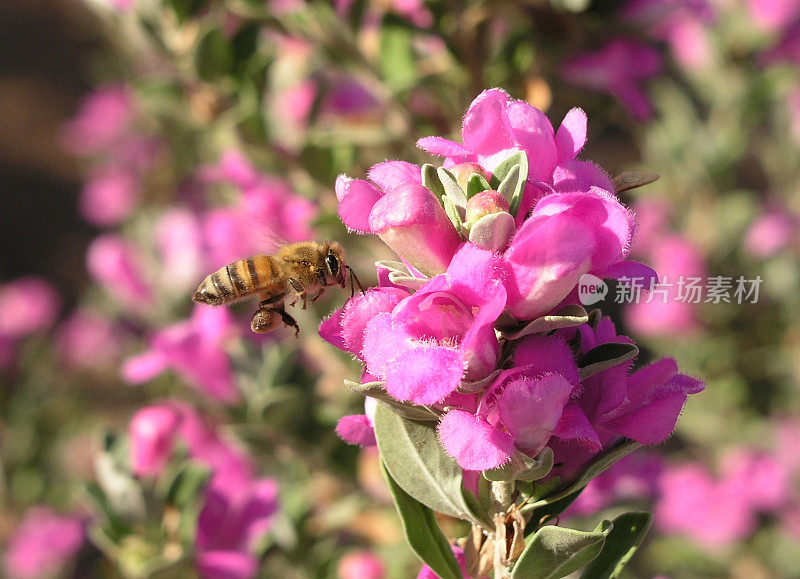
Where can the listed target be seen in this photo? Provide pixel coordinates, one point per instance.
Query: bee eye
(333, 264)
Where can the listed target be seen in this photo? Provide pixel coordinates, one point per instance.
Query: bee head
(334, 263)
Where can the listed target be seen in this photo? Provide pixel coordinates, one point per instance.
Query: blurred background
(145, 143)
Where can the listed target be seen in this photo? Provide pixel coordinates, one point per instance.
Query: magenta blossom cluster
(450, 327)
(239, 506)
(43, 545)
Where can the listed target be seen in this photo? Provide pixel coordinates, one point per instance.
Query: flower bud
(485, 203)
(463, 171)
(411, 221)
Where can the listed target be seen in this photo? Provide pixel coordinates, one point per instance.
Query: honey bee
(302, 268)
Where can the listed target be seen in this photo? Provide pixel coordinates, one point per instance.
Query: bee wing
(633, 179)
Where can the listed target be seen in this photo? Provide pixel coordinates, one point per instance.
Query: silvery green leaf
(430, 179)
(121, 489)
(628, 532)
(509, 184)
(556, 551)
(453, 213)
(476, 184)
(503, 170)
(453, 190)
(567, 317)
(493, 232)
(420, 465)
(633, 179)
(422, 532)
(523, 468)
(605, 356)
(405, 409)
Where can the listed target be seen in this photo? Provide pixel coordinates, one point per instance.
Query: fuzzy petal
(356, 429)
(531, 409)
(443, 147)
(425, 374)
(473, 442)
(574, 175)
(571, 135)
(391, 174)
(486, 128)
(358, 197)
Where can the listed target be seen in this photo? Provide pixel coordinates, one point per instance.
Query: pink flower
(442, 333)
(683, 24)
(238, 507)
(89, 340)
(361, 565)
(403, 213)
(773, 15)
(359, 428)
(677, 260)
(643, 406)
(495, 127)
(521, 409)
(30, 304)
(43, 544)
(710, 512)
(103, 118)
(117, 265)
(194, 349)
(109, 196)
(566, 236)
(619, 69)
(266, 213)
(635, 477)
(427, 573)
(179, 237)
(771, 232)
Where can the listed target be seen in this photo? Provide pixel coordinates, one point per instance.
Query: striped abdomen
(255, 275)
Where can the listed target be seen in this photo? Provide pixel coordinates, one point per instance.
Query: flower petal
(473, 442)
(425, 374)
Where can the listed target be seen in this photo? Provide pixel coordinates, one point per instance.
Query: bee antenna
(353, 278)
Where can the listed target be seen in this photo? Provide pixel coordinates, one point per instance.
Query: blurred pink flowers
(361, 565)
(239, 507)
(43, 544)
(620, 68)
(195, 349)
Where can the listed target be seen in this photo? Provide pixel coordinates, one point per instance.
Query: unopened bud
(485, 203)
(463, 171)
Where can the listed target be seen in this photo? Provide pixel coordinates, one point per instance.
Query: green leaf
(493, 231)
(477, 184)
(423, 534)
(452, 212)
(214, 56)
(567, 317)
(186, 9)
(187, 485)
(511, 175)
(430, 179)
(628, 532)
(405, 409)
(452, 190)
(114, 526)
(556, 552)
(605, 356)
(522, 467)
(417, 461)
(633, 179)
(397, 57)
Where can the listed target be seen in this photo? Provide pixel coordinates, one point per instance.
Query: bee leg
(319, 294)
(301, 293)
(265, 320)
(289, 321)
